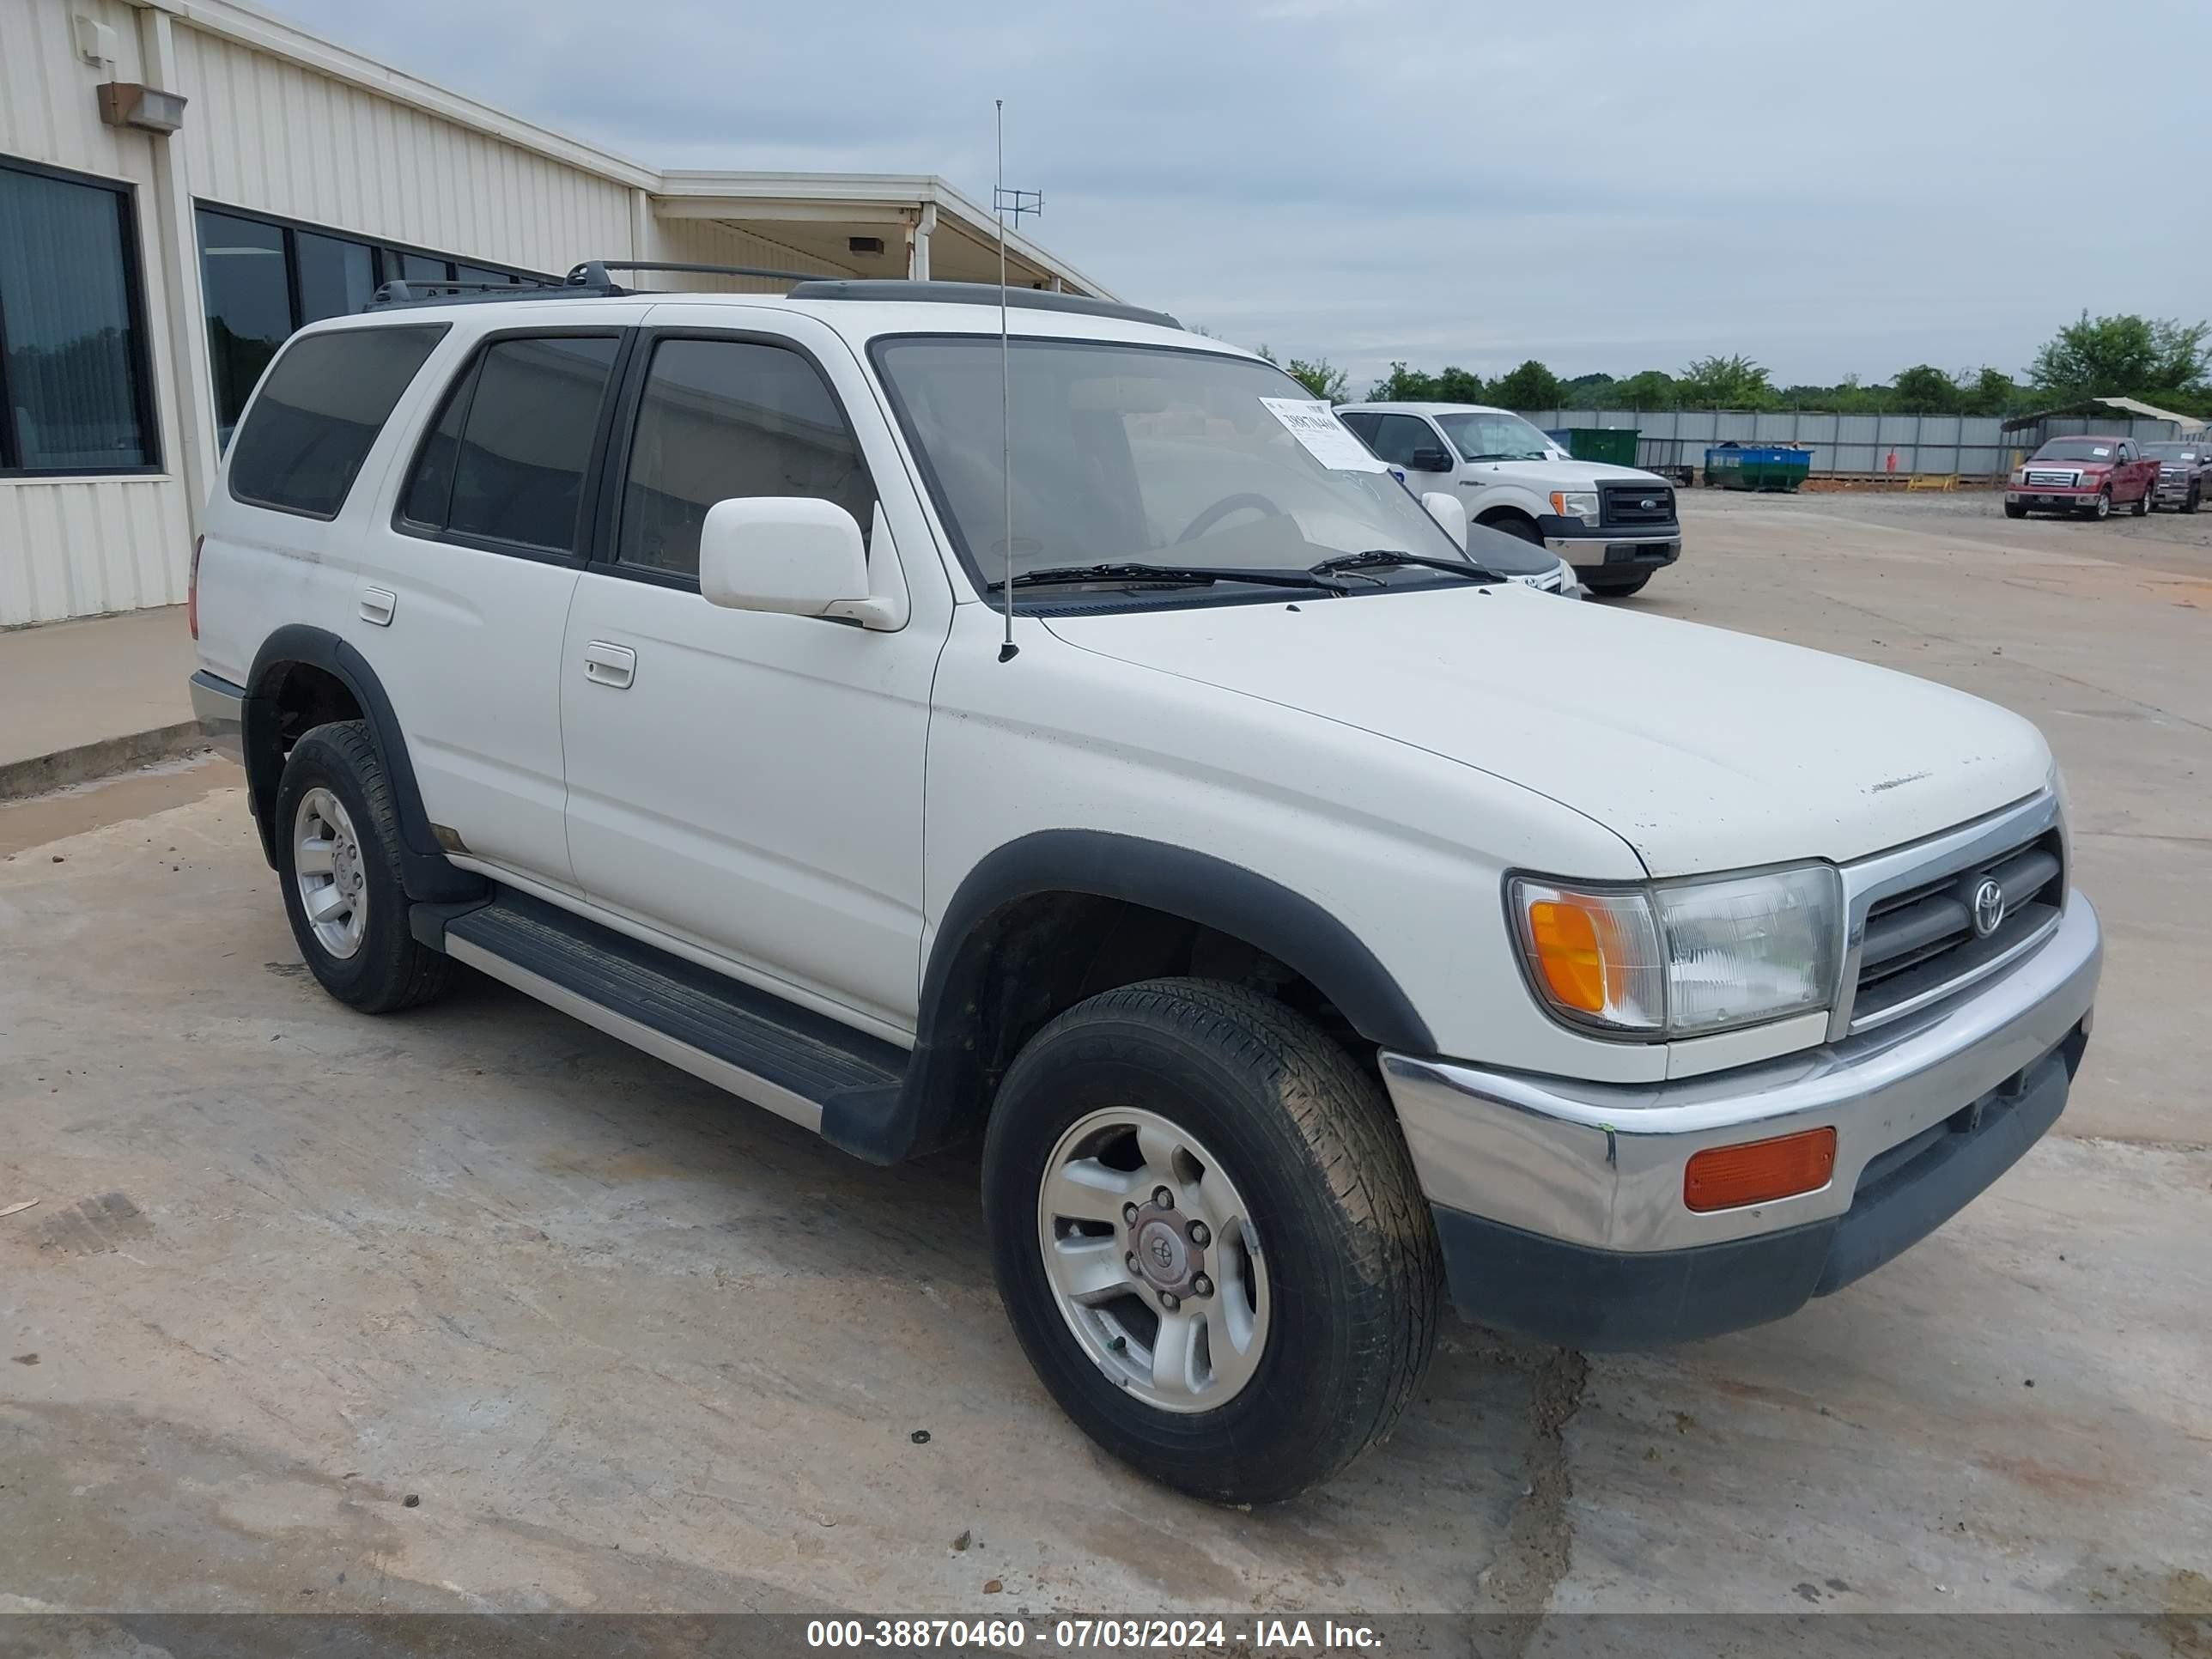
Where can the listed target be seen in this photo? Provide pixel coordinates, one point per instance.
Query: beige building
(154, 255)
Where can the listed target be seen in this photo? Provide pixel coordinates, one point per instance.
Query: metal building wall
(267, 132)
(263, 134)
(78, 546)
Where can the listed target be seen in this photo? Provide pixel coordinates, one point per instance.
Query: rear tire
(2143, 505)
(1620, 587)
(2014, 510)
(1246, 1107)
(334, 814)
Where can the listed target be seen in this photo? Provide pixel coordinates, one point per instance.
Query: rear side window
(506, 460)
(725, 418)
(321, 405)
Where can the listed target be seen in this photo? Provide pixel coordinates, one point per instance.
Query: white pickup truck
(1613, 525)
(1305, 920)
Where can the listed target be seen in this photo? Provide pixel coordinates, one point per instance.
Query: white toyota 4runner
(1305, 921)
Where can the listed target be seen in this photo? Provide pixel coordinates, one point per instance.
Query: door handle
(612, 666)
(377, 604)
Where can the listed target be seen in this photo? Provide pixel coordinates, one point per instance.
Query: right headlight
(1682, 958)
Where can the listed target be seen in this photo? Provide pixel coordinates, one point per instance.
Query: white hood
(1703, 749)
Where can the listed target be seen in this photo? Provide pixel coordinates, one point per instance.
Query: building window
(262, 278)
(75, 390)
(248, 292)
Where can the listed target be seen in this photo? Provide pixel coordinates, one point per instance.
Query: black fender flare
(425, 872)
(946, 1077)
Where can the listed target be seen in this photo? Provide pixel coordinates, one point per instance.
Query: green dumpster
(1614, 444)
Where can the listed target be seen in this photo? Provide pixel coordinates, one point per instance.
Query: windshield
(1495, 437)
(2169, 452)
(2075, 449)
(1129, 453)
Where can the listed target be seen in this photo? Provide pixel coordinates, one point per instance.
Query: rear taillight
(193, 589)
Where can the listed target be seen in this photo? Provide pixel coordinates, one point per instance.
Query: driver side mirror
(792, 554)
(1430, 459)
(1449, 513)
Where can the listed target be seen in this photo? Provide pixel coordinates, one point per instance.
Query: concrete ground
(81, 698)
(65, 684)
(475, 1309)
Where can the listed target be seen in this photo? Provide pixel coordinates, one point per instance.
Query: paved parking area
(475, 1308)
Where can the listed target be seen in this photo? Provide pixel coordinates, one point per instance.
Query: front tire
(1287, 1297)
(1619, 589)
(2101, 509)
(1514, 524)
(2189, 504)
(338, 857)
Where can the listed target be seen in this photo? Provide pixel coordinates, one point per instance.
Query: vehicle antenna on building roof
(1003, 201)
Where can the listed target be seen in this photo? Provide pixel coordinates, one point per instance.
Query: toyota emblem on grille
(1989, 909)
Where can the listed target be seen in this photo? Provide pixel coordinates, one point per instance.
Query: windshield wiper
(1377, 558)
(1174, 576)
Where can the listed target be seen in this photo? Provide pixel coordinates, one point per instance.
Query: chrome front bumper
(1600, 1167)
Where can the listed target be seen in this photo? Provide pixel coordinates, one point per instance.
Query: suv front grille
(1624, 505)
(1921, 943)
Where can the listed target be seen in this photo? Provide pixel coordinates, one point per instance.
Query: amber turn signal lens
(1759, 1171)
(1565, 940)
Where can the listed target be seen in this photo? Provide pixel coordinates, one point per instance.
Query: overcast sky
(1828, 188)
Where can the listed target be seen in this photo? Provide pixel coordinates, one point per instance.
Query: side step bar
(790, 1060)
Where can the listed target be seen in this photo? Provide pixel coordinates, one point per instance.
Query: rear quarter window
(320, 407)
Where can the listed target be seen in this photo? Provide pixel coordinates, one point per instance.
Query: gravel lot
(475, 1309)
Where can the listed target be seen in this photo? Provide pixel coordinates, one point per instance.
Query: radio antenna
(1003, 201)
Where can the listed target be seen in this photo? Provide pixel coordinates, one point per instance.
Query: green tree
(1590, 392)
(1924, 389)
(2122, 356)
(1462, 385)
(1654, 388)
(1320, 377)
(1532, 386)
(1716, 382)
(1404, 385)
(1991, 392)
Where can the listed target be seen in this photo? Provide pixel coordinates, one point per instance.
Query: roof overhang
(817, 214)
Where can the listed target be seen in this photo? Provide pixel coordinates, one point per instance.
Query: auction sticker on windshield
(1327, 439)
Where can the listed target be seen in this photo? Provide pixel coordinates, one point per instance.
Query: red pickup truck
(2083, 475)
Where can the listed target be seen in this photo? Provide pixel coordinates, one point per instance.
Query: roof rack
(418, 293)
(973, 293)
(592, 280)
(589, 280)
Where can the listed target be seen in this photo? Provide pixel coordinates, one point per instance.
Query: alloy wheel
(327, 867)
(1153, 1259)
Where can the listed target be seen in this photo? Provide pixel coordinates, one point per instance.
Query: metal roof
(2186, 423)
